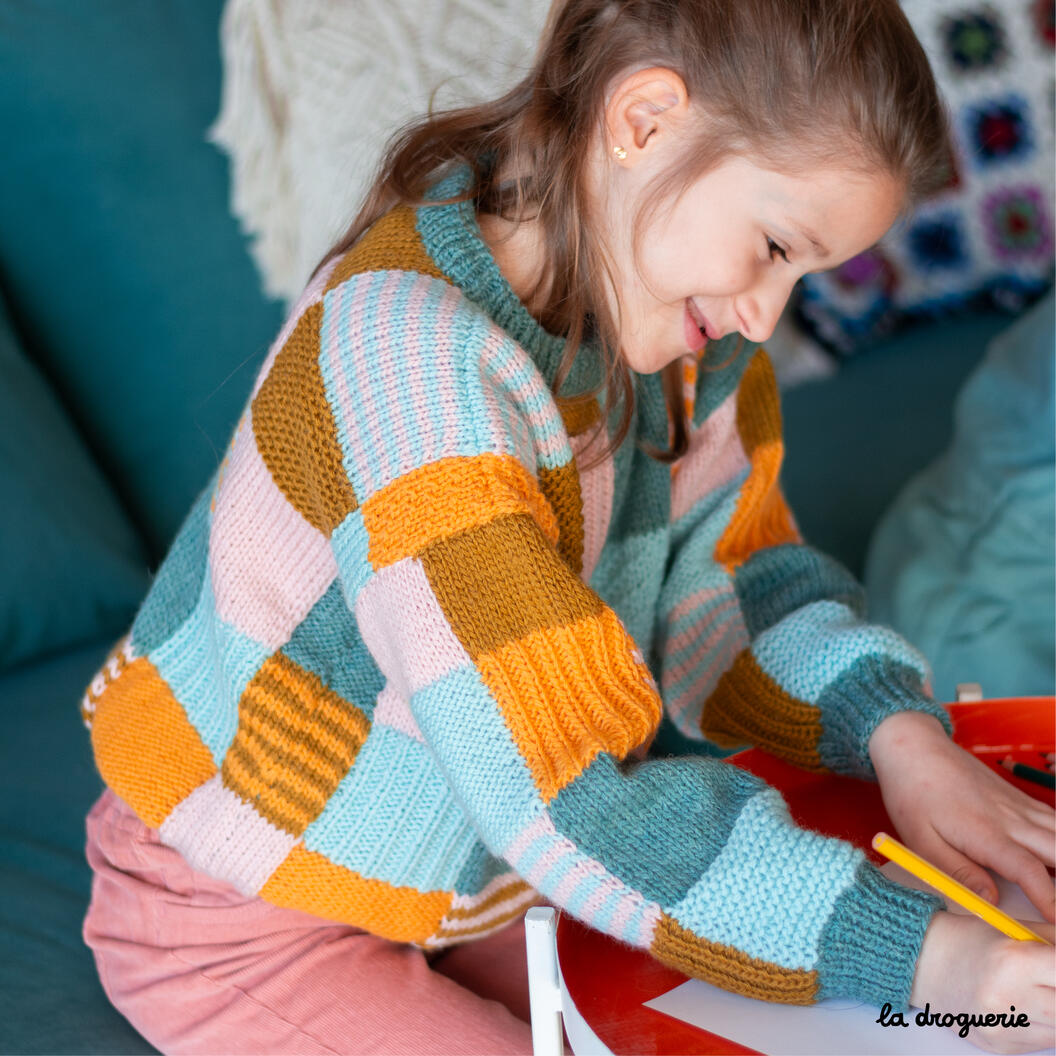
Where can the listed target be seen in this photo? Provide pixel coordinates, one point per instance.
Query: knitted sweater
(395, 664)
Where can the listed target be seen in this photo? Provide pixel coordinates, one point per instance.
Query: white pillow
(313, 89)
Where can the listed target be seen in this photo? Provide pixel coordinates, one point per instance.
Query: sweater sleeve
(528, 691)
(761, 639)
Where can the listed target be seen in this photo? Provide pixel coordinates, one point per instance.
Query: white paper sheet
(830, 1028)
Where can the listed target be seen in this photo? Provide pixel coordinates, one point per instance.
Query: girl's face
(726, 254)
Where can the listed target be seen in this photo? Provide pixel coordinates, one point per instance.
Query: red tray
(608, 982)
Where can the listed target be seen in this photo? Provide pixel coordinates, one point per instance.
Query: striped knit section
(706, 635)
(113, 666)
(501, 902)
(554, 865)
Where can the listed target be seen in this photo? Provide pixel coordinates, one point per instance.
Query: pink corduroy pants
(197, 967)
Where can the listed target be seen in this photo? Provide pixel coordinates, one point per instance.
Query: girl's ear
(643, 112)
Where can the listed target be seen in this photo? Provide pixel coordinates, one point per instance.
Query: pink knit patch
(596, 487)
(392, 709)
(405, 629)
(715, 458)
(268, 565)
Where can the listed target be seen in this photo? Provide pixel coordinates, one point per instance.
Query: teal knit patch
(629, 578)
(478, 870)
(719, 373)
(328, 643)
(178, 584)
(870, 945)
(452, 238)
(780, 579)
(656, 825)
(868, 692)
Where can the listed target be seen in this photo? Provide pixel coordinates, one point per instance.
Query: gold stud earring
(620, 152)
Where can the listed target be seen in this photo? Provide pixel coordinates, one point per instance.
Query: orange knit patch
(295, 742)
(749, 707)
(568, 693)
(446, 497)
(762, 518)
(731, 969)
(308, 881)
(393, 243)
(145, 747)
(502, 581)
(296, 434)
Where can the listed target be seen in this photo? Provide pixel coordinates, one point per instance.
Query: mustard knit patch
(749, 707)
(731, 969)
(295, 431)
(295, 742)
(502, 581)
(392, 244)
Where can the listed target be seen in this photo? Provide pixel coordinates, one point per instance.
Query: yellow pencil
(963, 896)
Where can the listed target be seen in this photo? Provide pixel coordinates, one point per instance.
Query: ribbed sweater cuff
(870, 946)
(854, 706)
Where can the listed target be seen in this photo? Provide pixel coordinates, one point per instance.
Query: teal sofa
(131, 324)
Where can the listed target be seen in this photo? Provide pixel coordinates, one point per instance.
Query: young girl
(506, 494)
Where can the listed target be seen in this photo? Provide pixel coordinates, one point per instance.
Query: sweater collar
(452, 238)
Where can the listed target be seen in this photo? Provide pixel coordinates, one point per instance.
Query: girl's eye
(773, 248)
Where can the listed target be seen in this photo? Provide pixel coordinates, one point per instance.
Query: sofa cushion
(72, 566)
(854, 439)
(50, 997)
(125, 271)
(962, 563)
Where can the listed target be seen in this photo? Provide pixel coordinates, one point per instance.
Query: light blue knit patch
(178, 584)
(350, 545)
(461, 722)
(772, 888)
(207, 664)
(834, 639)
(393, 817)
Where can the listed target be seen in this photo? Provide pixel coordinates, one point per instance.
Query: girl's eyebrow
(820, 249)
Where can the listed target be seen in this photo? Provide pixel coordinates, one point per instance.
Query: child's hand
(953, 810)
(967, 966)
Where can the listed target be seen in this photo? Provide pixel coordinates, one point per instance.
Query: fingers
(1031, 875)
(961, 868)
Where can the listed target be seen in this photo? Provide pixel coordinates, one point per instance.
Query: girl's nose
(760, 309)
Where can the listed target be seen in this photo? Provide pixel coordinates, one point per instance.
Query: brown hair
(792, 83)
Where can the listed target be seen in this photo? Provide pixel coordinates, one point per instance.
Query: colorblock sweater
(394, 668)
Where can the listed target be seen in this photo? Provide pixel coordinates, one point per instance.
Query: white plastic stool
(554, 1013)
(544, 984)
